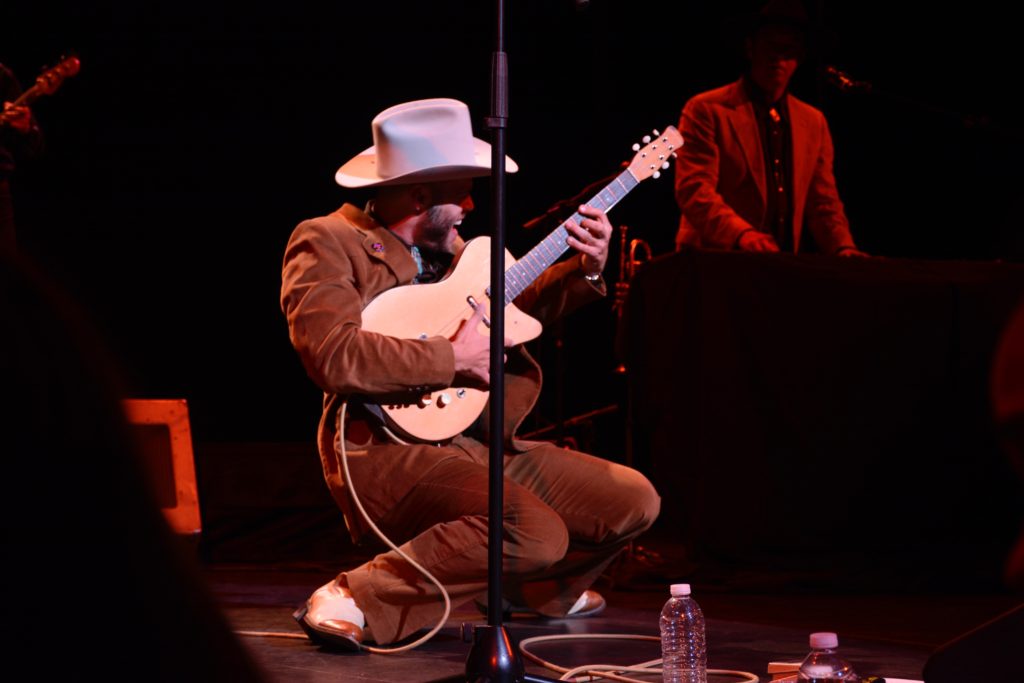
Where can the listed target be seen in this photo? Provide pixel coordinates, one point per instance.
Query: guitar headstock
(48, 81)
(654, 156)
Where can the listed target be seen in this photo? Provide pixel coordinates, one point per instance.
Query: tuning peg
(665, 165)
(675, 155)
(636, 146)
(657, 174)
(656, 133)
(646, 139)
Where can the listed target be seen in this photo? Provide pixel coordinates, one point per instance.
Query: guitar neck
(527, 269)
(47, 83)
(29, 96)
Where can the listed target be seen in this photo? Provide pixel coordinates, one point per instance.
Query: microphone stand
(492, 657)
(553, 214)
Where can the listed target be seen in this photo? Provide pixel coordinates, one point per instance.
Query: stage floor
(882, 635)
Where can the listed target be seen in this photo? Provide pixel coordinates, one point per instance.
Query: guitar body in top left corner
(46, 84)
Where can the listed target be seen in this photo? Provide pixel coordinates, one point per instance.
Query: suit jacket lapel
(804, 155)
(381, 245)
(745, 128)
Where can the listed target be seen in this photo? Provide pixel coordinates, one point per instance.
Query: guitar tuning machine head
(665, 165)
(646, 139)
(656, 133)
(636, 147)
(657, 174)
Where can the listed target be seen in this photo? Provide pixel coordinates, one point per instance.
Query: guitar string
(554, 241)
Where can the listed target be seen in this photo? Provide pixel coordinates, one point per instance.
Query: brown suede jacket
(333, 267)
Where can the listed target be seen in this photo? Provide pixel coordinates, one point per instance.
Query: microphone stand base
(493, 658)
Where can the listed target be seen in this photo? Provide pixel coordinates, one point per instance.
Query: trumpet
(631, 258)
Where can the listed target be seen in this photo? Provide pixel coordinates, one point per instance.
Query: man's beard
(436, 233)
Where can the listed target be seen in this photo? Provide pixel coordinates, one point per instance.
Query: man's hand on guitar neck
(17, 117)
(590, 238)
(473, 353)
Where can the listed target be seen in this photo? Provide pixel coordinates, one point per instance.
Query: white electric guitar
(439, 309)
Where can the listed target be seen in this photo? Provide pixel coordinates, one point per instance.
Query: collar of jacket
(381, 244)
(801, 125)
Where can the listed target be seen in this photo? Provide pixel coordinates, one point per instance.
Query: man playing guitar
(567, 514)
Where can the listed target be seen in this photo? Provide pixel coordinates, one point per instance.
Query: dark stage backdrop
(198, 134)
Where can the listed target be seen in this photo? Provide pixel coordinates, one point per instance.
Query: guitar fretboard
(527, 269)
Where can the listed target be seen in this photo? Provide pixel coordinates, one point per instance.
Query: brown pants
(567, 515)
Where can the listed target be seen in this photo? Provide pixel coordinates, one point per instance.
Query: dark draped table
(792, 406)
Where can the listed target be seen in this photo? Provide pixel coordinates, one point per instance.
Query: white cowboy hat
(420, 141)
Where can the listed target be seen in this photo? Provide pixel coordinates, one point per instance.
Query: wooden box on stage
(161, 428)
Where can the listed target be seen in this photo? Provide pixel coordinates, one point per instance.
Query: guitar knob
(425, 400)
(444, 399)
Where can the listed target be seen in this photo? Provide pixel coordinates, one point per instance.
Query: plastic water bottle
(684, 656)
(824, 665)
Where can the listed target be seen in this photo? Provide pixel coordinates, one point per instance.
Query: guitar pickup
(474, 304)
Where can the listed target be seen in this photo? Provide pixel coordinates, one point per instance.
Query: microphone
(843, 81)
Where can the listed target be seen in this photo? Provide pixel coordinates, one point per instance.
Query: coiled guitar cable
(581, 673)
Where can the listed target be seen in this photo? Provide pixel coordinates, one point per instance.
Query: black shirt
(777, 146)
